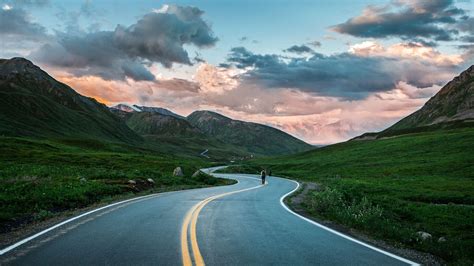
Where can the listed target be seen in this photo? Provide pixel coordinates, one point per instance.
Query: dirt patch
(297, 203)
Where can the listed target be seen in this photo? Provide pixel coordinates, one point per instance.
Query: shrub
(332, 202)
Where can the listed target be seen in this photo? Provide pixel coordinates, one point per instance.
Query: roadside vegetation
(40, 178)
(393, 189)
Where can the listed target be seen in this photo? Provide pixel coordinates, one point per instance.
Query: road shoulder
(296, 202)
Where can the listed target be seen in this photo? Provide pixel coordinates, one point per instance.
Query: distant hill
(151, 123)
(255, 138)
(451, 107)
(32, 103)
(175, 135)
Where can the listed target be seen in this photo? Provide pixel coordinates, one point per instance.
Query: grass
(39, 178)
(392, 188)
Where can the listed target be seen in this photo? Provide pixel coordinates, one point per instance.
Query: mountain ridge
(32, 103)
(257, 138)
(451, 107)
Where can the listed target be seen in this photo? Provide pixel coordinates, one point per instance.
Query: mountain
(452, 106)
(125, 108)
(137, 108)
(175, 135)
(32, 103)
(255, 138)
(154, 123)
(454, 102)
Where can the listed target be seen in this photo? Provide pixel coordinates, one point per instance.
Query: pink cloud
(314, 118)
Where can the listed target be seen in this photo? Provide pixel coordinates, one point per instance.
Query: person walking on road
(263, 174)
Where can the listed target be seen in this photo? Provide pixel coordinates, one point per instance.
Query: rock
(424, 235)
(83, 180)
(150, 180)
(132, 182)
(441, 239)
(196, 173)
(178, 171)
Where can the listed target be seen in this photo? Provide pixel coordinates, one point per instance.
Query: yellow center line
(190, 220)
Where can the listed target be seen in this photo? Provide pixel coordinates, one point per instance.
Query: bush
(327, 200)
(331, 202)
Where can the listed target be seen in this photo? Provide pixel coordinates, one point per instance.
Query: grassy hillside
(392, 188)
(175, 135)
(32, 103)
(39, 178)
(255, 138)
(147, 123)
(454, 102)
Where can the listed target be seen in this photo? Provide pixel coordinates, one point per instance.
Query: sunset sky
(323, 71)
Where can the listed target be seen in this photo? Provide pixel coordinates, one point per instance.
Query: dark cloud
(408, 20)
(299, 49)
(198, 58)
(157, 37)
(15, 23)
(466, 25)
(343, 75)
(315, 44)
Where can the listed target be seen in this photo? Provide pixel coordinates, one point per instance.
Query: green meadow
(41, 178)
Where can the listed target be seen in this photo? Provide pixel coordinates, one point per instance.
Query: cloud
(158, 37)
(410, 20)
(467, 25)
(315, 118)
(299, 49)
(28, 3)
(345, 75)
(315, 44)
(411, 50)
(17, 25)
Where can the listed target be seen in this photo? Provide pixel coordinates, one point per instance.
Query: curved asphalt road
(245, 228)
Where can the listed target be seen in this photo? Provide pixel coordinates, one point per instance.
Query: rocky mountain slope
(452, 106)
(454, 102)
(255, 138)
(32, 103)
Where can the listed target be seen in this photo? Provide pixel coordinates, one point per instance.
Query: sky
(323, 71)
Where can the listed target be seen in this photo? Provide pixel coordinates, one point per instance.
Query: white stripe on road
(329, 229)
(21, 242)
(28, 239)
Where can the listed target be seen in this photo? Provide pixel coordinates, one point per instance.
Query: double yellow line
(190, 222)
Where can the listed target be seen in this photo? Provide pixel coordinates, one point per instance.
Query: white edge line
(327, 228)
(28, 239)
(336, 232)
(21, 242)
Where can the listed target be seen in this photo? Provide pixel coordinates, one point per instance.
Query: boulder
(424, 235)
(83, 180)
(178, 171)
(442, 239)
(132, 182)
(150, 180)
